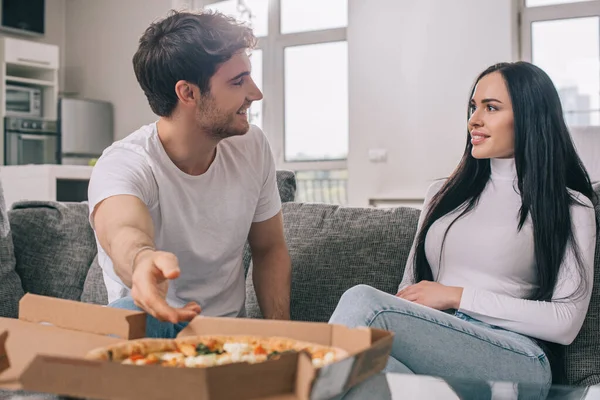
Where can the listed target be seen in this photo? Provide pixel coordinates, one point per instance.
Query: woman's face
(491, 124)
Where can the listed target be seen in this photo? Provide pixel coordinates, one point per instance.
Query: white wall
(411, 65)
(101, 39)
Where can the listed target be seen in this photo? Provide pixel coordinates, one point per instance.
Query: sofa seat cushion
(54, 247)
(333, 248)
(11, 289)
(582, 357)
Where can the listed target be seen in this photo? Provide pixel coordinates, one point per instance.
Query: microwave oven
(23, 101)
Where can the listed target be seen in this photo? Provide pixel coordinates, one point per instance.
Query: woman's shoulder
(435, 187)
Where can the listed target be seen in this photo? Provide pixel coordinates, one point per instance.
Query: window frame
(529, 15)
(583, 136)
(273, 51)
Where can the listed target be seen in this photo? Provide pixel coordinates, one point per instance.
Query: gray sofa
(50, 250)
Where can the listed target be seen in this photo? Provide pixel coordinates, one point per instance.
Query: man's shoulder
(133, 151)
(140, 137)
(138, 142)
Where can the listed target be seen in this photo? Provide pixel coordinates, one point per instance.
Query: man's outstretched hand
(152, 272)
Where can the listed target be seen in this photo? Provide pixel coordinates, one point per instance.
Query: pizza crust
(120, 351)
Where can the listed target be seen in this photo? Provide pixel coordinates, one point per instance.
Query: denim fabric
(432, 342)
(154, 327)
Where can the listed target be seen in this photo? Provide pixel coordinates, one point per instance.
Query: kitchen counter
(45, 182)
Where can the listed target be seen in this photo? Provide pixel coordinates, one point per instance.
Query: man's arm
(125, 231)
(271, 267)
(124, 227)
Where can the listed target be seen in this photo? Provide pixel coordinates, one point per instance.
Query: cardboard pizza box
(57, 327)
(369, 349)
(44, 350)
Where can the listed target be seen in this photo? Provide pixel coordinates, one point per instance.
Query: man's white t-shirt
(204, 220)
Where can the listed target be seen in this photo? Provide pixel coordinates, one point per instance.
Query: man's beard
(218, 124)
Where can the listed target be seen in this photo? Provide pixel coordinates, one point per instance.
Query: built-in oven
(23, 101)
(31, 141)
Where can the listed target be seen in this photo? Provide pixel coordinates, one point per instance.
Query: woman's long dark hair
(547, 166)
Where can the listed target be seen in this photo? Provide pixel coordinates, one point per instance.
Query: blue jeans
(154, 327)
(432, 342)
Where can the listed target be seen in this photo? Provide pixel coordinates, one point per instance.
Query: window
(313, 15)
(255, 12)
(316, 90)
(301, 65)
(563, 38)
(573, 68)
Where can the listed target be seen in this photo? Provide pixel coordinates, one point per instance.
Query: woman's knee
(356, 305)
(359, 295)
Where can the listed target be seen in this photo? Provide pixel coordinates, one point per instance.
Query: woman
(500, 273)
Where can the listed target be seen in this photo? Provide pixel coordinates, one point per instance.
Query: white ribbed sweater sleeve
(557, 321)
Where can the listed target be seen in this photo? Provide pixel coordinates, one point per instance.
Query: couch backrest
(11, 289)
(54, 247)
(334, 248)
(56, 250)
(582, 357)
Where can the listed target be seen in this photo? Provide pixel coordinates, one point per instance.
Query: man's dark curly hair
(186, 46)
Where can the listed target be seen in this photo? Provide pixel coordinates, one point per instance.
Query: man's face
(224, 110)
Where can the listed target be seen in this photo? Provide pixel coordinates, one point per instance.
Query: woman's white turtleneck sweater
(494, 262)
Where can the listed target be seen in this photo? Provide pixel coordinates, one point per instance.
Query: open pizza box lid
(43, 351)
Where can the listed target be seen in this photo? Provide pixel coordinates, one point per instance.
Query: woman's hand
(433, 294)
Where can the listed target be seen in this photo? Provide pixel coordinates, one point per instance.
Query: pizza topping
(171, 356)
(187, 349)
(202, 348)
(235, 348)
(152, 359)
(207, 352)
(329, 357)
(201, 361)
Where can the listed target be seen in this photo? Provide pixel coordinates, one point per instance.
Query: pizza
(211, 350)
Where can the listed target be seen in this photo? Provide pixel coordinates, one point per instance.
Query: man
(173, 203)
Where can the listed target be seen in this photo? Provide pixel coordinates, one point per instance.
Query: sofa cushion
(582, 357)
(54, 246)
(94, 290)
(11, 290)
(333, 248)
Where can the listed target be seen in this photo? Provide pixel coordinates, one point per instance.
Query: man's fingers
(156, 305)
(147, 292)
(193, 306)
(167, 264)
(162, 311)
(185, 315)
